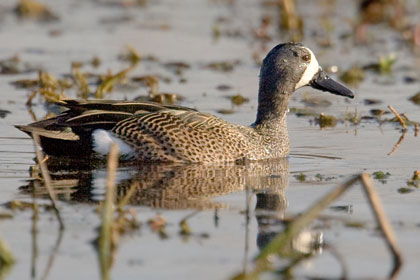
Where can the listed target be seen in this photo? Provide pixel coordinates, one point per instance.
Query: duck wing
(72, 129)
(181, 136)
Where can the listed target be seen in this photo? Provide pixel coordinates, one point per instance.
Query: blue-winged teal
(152, 132)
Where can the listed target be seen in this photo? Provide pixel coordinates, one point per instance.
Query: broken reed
(401, 121)
(404, 128)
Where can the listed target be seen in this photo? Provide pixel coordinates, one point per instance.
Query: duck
(152, 132)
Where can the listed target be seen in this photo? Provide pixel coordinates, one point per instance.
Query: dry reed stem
(383, 221)
(304, 219)
(47, 178)
(397, 144)
(402, 122)
(105, 234)
(280, 243)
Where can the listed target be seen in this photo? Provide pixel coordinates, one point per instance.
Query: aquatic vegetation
(185, 230)
(80, 81)
(372, 11)
(131, 55)
(416, 176)
(353, 118)
(96, 62)
(165, 98)
(370, 101)
(32, 9)
(5, 215)
(404, 190)
(303, 112)
(14, 65)
(396, 14)
(300, 177)
(353, 76)
(403, 120)
(415, 180)
(381, 176)
(152, 81)
(238, 99)
(342, 208)
(315, 101)
(223, 26)
(223, 87)
(326, 121)
(6, 257)
(386, 62)
(25, 83)
(378, 112)
(225, 111)
(290, 20)
(49, 87)
(10, 66)
(355, 224)
(177, 67)
(23, 205)
(321, 177)
(111, 80)
(262, 32)
(216, 32)
(4, 113)
(158, 224)
(416, 98)
(223, 66)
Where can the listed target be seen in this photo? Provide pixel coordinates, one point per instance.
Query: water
(223, 241)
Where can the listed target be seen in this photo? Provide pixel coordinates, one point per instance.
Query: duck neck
(271, 122)
(272, 109)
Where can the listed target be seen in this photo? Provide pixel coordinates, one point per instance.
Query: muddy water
(223, 241)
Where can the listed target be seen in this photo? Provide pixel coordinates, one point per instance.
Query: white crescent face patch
(310, 71)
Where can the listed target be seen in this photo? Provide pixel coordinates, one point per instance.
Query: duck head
(290, 66)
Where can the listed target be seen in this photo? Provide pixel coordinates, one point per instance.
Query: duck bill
(323, 82)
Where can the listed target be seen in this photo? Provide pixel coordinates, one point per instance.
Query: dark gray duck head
(286, 68)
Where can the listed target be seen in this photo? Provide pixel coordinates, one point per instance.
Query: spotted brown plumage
(147, 131)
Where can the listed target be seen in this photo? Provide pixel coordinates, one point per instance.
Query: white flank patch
(310, 71)
(102, 140)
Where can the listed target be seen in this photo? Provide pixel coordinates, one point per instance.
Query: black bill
(323, 82)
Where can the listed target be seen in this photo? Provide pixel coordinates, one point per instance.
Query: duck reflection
(169, 186)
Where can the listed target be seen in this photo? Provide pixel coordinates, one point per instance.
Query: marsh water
(205, 51)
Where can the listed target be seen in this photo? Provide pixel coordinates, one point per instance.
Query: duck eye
(305, 57)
